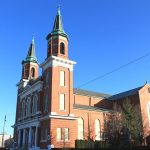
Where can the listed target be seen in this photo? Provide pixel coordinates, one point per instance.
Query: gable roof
(125, 94)
(90, 93)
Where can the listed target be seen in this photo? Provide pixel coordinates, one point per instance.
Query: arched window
(33, 136)
(35, 104)
(28, 106)
(47, 78)
(49, 49)
(23, 109)
(148, 111)
(32, 72)
(46, 103)
(62, 48)
(97, 129)
(80, 128)
(62, 78)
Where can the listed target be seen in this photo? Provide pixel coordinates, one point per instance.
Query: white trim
(58, 117)
(52, 146)
(71, 115)
(38, 112)
(35, 87)
(53, 113)
(22, 83)
(67, 117)
(54, 61)
(62, 117)
(28, 124)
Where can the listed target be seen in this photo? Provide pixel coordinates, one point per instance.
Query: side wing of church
(50, 112)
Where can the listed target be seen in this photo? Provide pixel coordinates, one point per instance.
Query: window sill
(38, 113)
(63, 141)
(63, 86)
(62, 110)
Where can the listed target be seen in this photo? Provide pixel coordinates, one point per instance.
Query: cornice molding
(38, 86)
(70, 117)
(27, 124)
(54, 61)
(22, 83)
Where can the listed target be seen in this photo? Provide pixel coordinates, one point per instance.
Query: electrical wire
(114, 70)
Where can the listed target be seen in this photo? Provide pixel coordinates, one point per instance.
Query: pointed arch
(46, 103)
(28, 102)
(32, 72)
(80, 128)
(148, 111)
(97, 130)
(35, 104)
(49, 49)
(62, 48)
(23, 109)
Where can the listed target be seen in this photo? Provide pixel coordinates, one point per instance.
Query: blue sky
(104, 34)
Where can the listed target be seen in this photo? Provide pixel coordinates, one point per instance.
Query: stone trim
(35, 87)
(54, 61)
(62, 117)
(28, 123)
(22, 83)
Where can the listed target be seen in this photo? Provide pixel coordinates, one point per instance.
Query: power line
(114, 70)
(110, 72)
(106, 74)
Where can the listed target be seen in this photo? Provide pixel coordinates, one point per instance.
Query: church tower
(57, 71)
(58, 39)
(30, 64)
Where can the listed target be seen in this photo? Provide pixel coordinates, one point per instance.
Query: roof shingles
(125, 94)
(90, 93)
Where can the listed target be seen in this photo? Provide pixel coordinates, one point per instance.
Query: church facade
(50, 112)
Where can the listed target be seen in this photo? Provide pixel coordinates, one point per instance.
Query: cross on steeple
(33, 38)
(58, 10)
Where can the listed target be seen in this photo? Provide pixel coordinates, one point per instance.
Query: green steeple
(58, 26)
(31, 56)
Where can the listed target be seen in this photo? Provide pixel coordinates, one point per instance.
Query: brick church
(50, 111)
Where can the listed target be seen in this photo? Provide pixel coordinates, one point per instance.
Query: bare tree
(124, 125)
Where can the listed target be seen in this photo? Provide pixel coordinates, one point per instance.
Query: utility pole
(3, 132)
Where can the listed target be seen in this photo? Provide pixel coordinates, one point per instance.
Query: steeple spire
(30, 64)
(58, 26)
(31, 56)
